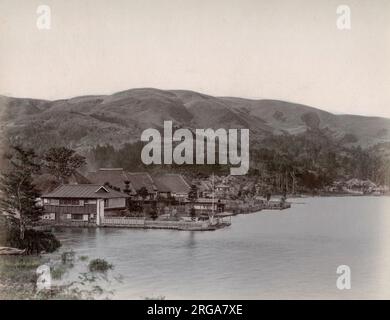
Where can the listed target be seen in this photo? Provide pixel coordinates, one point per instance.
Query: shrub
(99, 265)
(34, 241)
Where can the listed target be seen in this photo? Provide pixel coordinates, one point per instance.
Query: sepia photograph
(194, 150)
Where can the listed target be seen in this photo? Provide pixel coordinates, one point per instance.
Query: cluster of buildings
(228, 187)
(357, 187)
(116, 192)
(142, 184)
(112, 193)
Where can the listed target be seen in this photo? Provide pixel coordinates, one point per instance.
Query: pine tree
(18, 201)
(62, 162)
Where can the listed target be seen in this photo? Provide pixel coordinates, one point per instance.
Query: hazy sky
(289, 50)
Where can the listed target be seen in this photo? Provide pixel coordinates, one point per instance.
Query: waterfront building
(88, 203)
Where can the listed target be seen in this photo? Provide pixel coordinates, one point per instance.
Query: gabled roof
(87, 191)
(116, 177)
(172, 182)
(141, 179)
(159, 183)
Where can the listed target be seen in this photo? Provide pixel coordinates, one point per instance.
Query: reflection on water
(270, 254)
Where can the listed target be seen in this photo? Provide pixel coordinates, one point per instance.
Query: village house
(205, 205)
(143, 180)
(121, 180)
(112, 177)
(355, 186)
(88, 203)
(173, 185)
(223, 190)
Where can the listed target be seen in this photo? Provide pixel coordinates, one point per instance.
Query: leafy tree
(62, 162)
(19, 194)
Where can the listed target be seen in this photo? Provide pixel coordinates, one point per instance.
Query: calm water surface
(270, 254)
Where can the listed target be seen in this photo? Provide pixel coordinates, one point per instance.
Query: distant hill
(84, 122)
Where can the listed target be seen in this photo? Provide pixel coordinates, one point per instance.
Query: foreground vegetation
(20, 278)
(19, 207)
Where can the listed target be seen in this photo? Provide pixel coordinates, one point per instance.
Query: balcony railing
(86, 209)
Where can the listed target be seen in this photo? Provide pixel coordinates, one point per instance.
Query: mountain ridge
(83, 122)
(184, 90)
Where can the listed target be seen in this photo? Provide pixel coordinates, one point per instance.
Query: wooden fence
(157, 224)
(123, 221)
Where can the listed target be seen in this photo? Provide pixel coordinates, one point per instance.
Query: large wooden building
(82, 202)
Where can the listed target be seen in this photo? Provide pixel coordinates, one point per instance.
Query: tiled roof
(87, 191)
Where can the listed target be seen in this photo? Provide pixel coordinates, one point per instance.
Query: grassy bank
(18, 276)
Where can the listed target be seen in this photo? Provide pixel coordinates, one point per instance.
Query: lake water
(290, 254)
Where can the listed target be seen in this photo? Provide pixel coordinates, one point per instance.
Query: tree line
(311, 160)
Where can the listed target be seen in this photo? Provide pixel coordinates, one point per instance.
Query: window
(54, 202)
(77, 217)
(105, 203)
(71, 202)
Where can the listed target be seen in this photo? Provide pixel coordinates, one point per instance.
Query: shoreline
(28, 267)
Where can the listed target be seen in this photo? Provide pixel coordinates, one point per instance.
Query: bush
(34, 241)
(99, 265)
